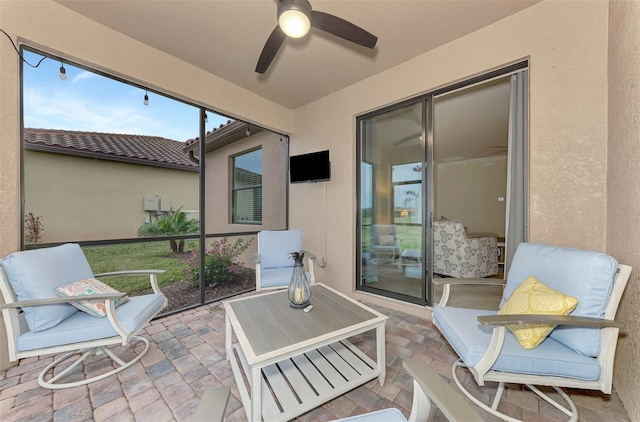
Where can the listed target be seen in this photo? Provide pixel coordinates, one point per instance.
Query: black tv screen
(313, 167)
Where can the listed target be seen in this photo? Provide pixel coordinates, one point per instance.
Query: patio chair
(543, 285)
(39, 287)
(428, 388)
(385, 241)
(274, 265)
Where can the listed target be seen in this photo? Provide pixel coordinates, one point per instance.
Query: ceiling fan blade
(343, 29)
(270, 49)
(406, 139)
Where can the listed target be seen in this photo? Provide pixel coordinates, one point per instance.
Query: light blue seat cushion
(470, 340)
(34, 274)
(272, 277)
(384, 415)
(82, 327)
(275, 247)
(585, 275)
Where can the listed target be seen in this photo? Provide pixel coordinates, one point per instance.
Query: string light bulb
(63, 72)
(247, 132)
(146, 98)
(206, 119)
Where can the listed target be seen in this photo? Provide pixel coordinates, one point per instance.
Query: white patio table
(294, 361)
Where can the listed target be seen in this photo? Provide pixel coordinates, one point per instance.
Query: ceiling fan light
(294, 20)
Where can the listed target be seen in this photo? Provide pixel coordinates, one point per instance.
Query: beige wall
(51, 27)
(468, 191)
(623, 188)
(274, 179)
(87, 199)
(567, 46)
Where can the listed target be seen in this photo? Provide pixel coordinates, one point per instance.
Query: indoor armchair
(455, 255)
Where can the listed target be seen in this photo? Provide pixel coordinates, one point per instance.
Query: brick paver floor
(186, 356)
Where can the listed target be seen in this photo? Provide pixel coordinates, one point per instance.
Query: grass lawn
(137, 256)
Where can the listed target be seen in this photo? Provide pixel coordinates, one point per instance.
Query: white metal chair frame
(311, 258)
(14, 327)
(482, 370)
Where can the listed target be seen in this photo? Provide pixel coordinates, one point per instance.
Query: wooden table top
(269, 324)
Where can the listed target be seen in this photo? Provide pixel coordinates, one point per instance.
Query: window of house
(407, 187)
(247, 188)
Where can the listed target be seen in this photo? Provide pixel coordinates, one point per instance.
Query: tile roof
(139, 149)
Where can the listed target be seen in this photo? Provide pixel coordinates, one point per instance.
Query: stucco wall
(566, 43)
(623, 188)
(87, 199)
(274, 178)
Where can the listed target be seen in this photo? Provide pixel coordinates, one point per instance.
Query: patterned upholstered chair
(457, 256)
(568, 295)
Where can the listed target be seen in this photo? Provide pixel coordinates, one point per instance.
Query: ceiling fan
(295, 18)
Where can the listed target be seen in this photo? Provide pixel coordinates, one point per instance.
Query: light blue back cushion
(275, 247)
(34, 274)
(585, 275)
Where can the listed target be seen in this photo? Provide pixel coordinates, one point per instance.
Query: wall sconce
(404, 214)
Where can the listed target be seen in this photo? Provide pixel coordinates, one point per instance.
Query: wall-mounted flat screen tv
(313, 167)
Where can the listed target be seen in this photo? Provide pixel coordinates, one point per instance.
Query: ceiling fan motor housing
(294, 17)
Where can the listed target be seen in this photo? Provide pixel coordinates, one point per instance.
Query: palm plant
(174, 223)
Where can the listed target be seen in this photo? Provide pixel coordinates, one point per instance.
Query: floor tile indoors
(187, 356)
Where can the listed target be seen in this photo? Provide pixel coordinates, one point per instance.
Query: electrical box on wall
(150, 203)
(165, 204)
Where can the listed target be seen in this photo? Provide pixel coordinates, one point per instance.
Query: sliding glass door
(392, 202)
(442, 187)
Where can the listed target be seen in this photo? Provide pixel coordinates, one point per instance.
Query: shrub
(33, 228)
(221, 262)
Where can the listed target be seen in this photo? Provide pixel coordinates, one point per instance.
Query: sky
(86, 101)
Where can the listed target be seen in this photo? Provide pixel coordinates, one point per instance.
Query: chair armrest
(309, 255)
(469, 281)
(213, 405)
(435, 389)
(448, 282)
(61, 299)
(520, 319)
(131, 272)
(153, 276)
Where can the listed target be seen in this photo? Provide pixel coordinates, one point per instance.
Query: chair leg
(572, 412)
(53, 384)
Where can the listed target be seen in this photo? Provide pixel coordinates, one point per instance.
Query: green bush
(221, 262)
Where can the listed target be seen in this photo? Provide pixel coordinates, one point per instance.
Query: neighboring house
(93, 186)
(245, 178)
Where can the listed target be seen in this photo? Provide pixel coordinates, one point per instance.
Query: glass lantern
(299, 289)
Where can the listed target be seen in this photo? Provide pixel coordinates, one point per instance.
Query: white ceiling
(225, 38)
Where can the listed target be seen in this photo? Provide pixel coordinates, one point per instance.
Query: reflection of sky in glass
(86, 101)
(251, 161)
(366, 191)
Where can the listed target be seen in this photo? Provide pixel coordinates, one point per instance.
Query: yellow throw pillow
(534, 297)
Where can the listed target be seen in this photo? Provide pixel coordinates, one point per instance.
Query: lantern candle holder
(299, 290)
